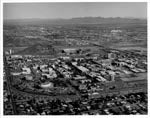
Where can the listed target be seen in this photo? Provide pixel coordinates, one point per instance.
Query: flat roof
(140, 76)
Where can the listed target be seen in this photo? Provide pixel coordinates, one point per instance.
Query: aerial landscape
(80, 65)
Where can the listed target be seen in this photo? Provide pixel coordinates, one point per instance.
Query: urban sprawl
(78, 79)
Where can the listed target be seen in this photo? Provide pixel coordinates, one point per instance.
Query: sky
(72, 10)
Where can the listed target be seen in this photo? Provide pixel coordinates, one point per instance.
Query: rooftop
(141, 76)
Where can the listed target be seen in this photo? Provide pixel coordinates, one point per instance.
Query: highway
(8, 77)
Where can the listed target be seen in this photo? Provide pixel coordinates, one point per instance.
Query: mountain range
(79, 20)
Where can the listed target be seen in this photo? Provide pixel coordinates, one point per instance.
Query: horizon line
(144, 18)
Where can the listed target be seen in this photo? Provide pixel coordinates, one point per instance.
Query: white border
(74, 1)
(89, 116)
(1, 58)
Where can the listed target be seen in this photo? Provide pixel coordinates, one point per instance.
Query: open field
(15, 49)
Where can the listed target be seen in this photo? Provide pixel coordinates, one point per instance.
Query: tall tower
(10, 51)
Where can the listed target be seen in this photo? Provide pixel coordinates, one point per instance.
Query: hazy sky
(69, 10)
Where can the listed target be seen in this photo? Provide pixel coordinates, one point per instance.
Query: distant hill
(80, 20)
(38, 49)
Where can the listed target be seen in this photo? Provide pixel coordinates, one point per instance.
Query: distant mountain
(38, 49)
(80, 20)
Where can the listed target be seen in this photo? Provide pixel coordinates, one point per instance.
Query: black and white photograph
(75, 58)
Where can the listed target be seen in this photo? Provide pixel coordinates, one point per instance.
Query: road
(8, 78)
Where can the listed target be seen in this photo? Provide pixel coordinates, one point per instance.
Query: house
(26, 70)
(83, 69)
